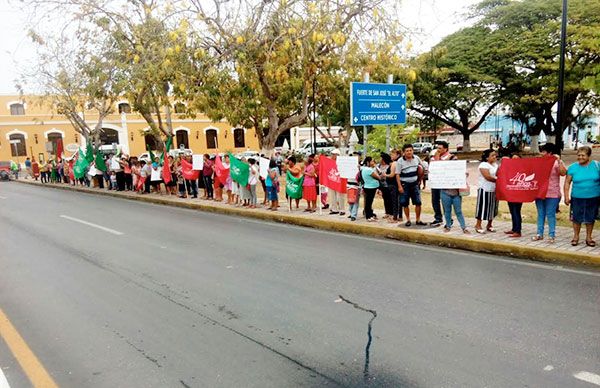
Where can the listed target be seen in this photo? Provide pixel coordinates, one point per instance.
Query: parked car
(146, 156)
(422, 148)
(248, 154)
(322, 147)
(4, 171)
(180, 152)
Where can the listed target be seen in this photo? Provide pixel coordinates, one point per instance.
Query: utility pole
(314, 131)
(365, 130)
(560, 119)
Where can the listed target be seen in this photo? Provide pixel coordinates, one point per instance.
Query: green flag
(293, 186)
(13, 166)
(100, 165)
(168, 145)
(239, 170)
(150, 153)
(89, 153)
(80, 168)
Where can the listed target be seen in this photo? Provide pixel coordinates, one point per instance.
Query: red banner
(221, 173)
(329, 175)
(59, 149)
(187, 171)
(523, 180)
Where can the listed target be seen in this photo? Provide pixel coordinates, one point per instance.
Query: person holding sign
(442, 153)
(487, 204)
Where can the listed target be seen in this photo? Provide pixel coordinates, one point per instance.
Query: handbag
(464, 192)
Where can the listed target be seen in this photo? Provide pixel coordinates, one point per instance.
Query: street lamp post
(560, 119)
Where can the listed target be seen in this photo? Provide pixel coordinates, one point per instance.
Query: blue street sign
(377, 104)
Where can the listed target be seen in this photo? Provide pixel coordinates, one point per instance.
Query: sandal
(491, 229)
(408, 223)
(590, 243)
(574, 242)
(537, 237)
(420, 223)
(551, 240)
(480, 231)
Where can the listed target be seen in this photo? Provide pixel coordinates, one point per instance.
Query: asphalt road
(167, 297)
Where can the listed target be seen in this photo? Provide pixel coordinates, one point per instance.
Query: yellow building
(28, 127)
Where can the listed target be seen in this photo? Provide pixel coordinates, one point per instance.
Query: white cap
(335, 152)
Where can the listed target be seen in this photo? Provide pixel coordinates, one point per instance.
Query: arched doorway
(17, 144)
(239, 139)
(211, 139)
(109, 136)
(182, 138)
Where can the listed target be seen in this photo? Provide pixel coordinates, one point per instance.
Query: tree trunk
(466, 142)
(535, 144)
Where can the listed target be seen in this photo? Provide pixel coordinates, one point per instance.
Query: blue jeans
(546, 209)
(449, 201)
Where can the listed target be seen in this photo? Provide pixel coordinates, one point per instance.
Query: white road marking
(3, 381)
(548, 368)
(229, 267)
(1, 197)
(588, 377)
(108, 230)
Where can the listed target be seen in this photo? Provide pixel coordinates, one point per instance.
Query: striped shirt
(408, 169)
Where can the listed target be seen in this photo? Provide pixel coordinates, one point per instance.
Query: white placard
(156, 175)
(347, 166)
(197, 162)
(92, 171)
(264, 167)
(448, 174)
(114, 164)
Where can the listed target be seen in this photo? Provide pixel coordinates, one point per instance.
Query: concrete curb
(412, 236)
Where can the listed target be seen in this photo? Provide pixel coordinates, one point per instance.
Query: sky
(430, 19)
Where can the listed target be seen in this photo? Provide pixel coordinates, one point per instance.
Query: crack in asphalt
(366, 375)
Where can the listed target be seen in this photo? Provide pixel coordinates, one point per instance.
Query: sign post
(376, 104)
(388, 129)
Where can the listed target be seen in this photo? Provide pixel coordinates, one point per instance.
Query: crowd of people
(399, 177)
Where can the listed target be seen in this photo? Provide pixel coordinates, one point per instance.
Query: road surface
(107, 292)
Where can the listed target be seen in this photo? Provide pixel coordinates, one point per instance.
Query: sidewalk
(498, 243)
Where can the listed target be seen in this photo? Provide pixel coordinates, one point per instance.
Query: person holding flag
(293, 182)
(546, 207)
(239, 172)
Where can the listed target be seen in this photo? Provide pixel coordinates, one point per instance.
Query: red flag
(59, 149)
(329, 175)
(220, 171)
(188, 172)
(140, 183)
(523, 180)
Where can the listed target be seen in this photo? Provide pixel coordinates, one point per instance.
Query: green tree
(527, 34)
(269, 53)
(457, 81)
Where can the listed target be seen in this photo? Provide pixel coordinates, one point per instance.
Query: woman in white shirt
(487, 204)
